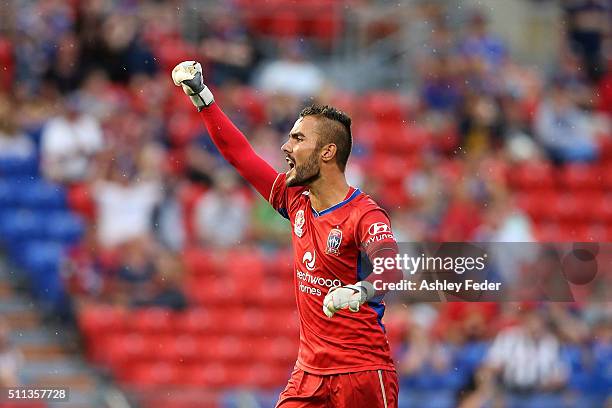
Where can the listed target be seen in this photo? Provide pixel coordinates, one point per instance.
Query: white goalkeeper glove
(188, 75)
(349, 296)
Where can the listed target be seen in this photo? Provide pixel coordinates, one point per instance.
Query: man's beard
(306, 173)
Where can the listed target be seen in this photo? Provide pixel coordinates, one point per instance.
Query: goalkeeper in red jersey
(344, 358)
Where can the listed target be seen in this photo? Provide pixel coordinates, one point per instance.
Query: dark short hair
(336, 129)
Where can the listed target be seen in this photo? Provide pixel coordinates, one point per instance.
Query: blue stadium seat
(42, 260)
(64, 227)
(18, 167)
(431, 399)
(470, 356)
(601, 380)
(8, 194)
(572, 356)
(17, 226)
(43, 195)
(535, 401)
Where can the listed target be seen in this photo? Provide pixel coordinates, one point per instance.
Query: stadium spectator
(66, 70)
(13, 142)
(166, 284)
(266, 227)
(11, 359)
(126, 200)
(69, 142)
(480, 46)
(441, 87)
(221, 215)
(480, 124)
(504, 222)
(84, 272)
(7, 61)
(135, 272)
(425, 355)
(604, 91)
(588, 23)
(480, 55)
(526, 359)
(565, 131)
(119, 50)
(169, 217)
(462, 216)
(228, 47)
(291, 73)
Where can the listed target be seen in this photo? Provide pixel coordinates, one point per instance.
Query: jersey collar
(333, 207)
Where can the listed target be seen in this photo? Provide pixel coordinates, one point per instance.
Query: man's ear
(328, 152)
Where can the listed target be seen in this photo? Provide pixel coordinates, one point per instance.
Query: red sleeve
(375, 237)
(278, 196)
(236, 149)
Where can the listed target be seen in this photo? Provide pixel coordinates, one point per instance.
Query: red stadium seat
(124, 349)
(94, 320)
(581, 177)
(538, 206)
(152, 320)
(211, 375)
(605, 149)
(281, 321)
(263, 376)
(284, 24)
(151, 374)
(181, 397)
(277, 291)
(325, 26)
(184, 348)
(602, 209)
(385, 106)
(606, 176)
(390, 169)
(346, 102)
(281, 264)
(249, 321)
(548, 232)
(199, 262)
(589, 204)
(196, 320)
(567, 208)
(399, 140)
(598, 232)
(576, 232)
(282, 349)
(532, 176)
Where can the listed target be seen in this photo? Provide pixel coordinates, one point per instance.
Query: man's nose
(286, 148)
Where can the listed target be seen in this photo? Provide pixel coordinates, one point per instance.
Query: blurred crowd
(85, 85)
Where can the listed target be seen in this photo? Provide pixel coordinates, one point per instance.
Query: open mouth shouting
(291, 164)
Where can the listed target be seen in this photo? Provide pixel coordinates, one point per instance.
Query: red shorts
(363, 389)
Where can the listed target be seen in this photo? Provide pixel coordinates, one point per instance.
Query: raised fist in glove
(188, 75)
(349, 296)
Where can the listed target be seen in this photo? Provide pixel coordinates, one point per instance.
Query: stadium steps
(51, 353)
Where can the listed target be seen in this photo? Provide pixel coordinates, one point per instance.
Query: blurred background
(140, 271)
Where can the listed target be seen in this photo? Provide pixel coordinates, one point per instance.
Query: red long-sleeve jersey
(326, 247)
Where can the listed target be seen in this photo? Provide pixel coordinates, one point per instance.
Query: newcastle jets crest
(334, 240)
(298, 224)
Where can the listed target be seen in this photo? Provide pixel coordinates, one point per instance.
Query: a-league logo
(334, 240)
(298, 224)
